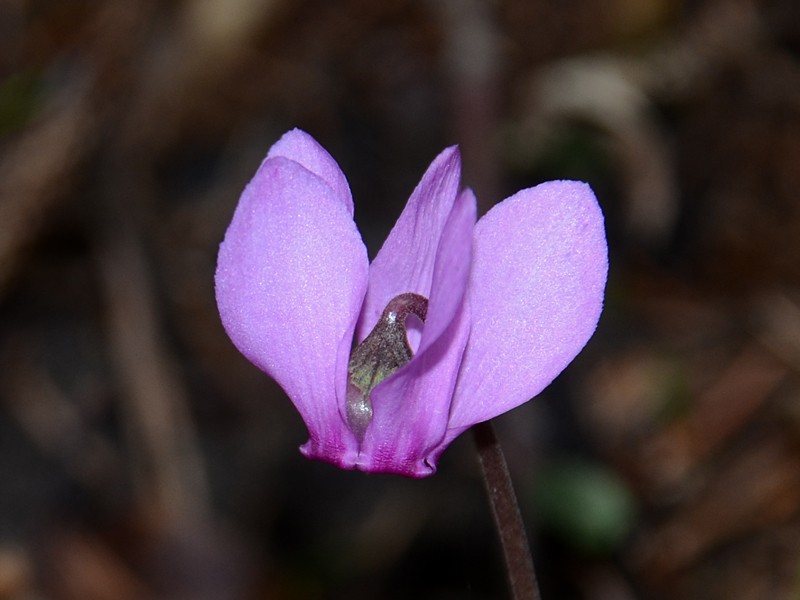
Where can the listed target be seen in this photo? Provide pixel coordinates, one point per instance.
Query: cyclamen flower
(469, 320)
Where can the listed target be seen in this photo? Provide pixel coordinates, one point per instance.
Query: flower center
(382, 352)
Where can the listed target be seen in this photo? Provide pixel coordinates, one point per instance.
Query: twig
(170, 470)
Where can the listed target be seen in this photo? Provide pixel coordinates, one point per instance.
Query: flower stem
(507, 518)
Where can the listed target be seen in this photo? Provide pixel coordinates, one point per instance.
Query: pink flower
(480, 318)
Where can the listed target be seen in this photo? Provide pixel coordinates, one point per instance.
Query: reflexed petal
(300, 147)
(535, 296)
(405, 262)
(411, 408)
(291, 274)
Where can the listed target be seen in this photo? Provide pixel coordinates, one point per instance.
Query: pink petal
(405, 262)
(300, 147)
(451, 270)
(535, 296)
(411, 408)
(291, 274)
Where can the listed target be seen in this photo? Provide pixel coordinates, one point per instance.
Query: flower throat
(382, 352)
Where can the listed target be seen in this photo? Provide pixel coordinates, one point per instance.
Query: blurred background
(142, 457)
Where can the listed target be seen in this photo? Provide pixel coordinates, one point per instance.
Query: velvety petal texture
(406, 259)
(510, 301)
(418, 395)
(291, 276)
(535, 296)
(300, 147)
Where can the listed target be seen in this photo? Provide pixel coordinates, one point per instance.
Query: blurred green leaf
(19, 93)
(586, 505)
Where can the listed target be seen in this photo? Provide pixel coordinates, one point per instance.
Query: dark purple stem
(507, 518)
